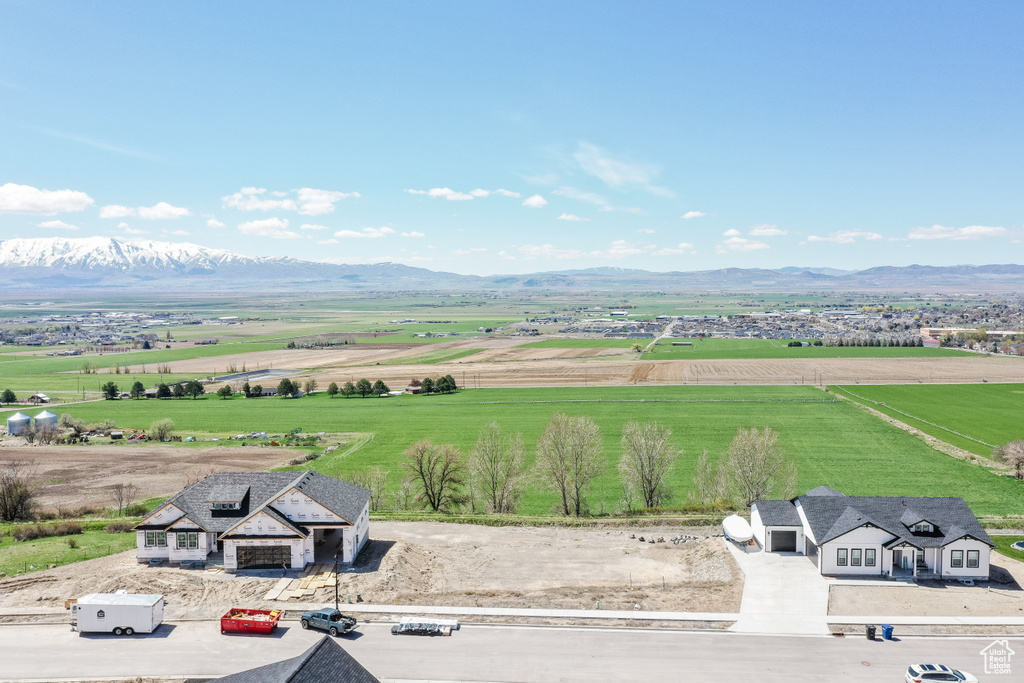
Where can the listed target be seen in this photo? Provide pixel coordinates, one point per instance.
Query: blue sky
(499, 137)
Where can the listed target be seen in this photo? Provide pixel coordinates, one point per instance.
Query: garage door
(783, 541)
(264, 557)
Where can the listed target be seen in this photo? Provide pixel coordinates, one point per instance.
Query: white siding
(756, 526)
(965, 544)
(861, 538)
(164, 515)
(185, 553)
(768, 530)
(153, 552)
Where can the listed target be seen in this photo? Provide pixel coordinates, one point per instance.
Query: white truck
(120, 613)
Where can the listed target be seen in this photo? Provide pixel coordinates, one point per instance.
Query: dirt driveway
(433, 563)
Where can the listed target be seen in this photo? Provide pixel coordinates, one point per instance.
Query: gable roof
(325, 662)
(777, 513)
(832, 516)
(824, 491)
(343, 499)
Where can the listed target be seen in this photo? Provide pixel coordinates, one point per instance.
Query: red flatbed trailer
(260, 621)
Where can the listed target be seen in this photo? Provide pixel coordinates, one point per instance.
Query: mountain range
(106, 263)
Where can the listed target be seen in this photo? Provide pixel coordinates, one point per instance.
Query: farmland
(973, 417)
(716, 349)
(832, 442)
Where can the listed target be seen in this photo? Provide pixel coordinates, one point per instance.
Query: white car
(920, 673)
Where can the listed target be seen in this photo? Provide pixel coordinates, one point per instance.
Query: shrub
(118, 527)
(72, 543)
(67, 528)
(31, 532)
(136, 510)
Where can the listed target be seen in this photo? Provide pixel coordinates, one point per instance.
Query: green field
(29, 556)
(832, 442)
(1003, 544)
(585, 344)
(716, 349)
(970, 416)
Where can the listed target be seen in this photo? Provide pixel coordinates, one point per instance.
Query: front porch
(909, 561)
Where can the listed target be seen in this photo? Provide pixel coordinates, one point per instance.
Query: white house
(897, 536)
(259, 520)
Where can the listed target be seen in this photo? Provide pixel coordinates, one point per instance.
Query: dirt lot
(428, 563)
(84, 475)
(1002, 597)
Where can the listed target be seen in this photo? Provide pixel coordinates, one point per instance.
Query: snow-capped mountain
(105, 253)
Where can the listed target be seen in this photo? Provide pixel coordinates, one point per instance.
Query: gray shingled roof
(778, 513)
(343, 499)
(833, 516)
(227, 493)
(325, 662)
(824, 491)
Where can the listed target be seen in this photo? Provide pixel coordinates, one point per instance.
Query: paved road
(511, 654)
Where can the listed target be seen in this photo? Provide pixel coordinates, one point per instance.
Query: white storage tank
(120, 613)
(18, 423)
(46, 418)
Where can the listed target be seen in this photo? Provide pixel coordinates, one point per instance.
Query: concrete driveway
(783, 594)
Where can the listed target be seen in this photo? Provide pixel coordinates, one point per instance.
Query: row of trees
(192, 388)
(569, 458)
(363, 388)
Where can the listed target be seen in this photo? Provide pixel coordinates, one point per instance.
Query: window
(973, 559)
(922, 527)
(226, 506)
(841, 557)
(188, 540)
(855, 557)
(156, 539)
(956, 559)
(869, 557)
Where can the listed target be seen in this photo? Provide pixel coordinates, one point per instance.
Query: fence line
(914, 417)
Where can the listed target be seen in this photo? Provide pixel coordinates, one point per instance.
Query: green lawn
(970, 416)
(711, 349)
(31, 556)
(832, 442)
(1003, 544)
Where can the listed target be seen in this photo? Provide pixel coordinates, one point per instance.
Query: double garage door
(264, 556)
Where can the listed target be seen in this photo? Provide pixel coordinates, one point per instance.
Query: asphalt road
(510, 654)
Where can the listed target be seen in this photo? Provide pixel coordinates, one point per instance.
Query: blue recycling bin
(886, 631)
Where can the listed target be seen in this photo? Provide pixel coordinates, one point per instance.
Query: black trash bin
(869, 631)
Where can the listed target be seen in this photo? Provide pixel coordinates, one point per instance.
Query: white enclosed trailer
(120, 613)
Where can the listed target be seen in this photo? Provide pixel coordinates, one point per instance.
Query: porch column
(913, 552)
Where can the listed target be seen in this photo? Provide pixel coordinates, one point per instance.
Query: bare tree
(29, 433)
(646, 461)
(310, 386)
(374, 480)
(405, 493)
(123, 495)
(569, 459)
(47, 433)
(18, 487)
(1012, 454)
(440, 473)
(757, 466)
(497, 469)
(708, 484)
(197, 473)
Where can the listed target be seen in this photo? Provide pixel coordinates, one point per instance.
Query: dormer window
(922, 528)
(225, 506)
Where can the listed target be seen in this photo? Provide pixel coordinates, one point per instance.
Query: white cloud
(573, 193)
(179, 233)
(646, 231)
(412, 233)
(693, 214)
(467, 252)
(767, 230)
(616, 250)
(116, 211)
(128, 230)
(535, 202)
(366, 233)
(731, 233)
(162, 211)
(329, 240)
(507, 193)
(846, 236)
(309, 201)
(214, 223)
(507, 256)
(621, 209)
(617, 173)
(58, 225)
(311, 226)
(159, 211)
(571, 217)
(31, 200)
(683, 249)
(971, 232)
(275, 228)
(445, 192)
(739, 244)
